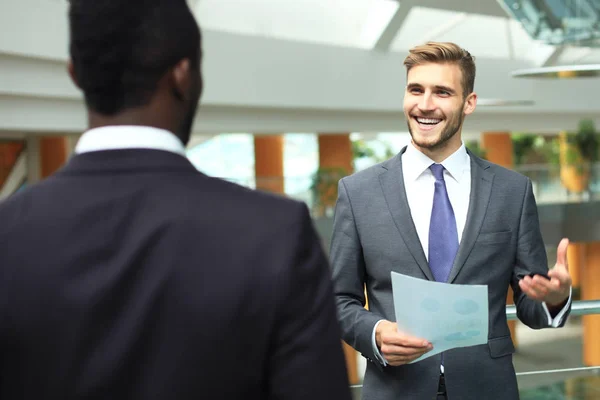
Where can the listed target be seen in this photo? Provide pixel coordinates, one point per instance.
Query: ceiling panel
(483, 36)
(354, 23)
(418, 26)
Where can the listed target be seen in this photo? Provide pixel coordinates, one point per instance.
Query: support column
(590, 290)
(498, 147)
(335, 151)
(576, 259)
(268, 163)
(53, 154)
(9, 152)
(335, 161)
(499, 150)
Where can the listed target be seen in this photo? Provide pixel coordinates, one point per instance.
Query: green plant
(523, 144)
(549, 148)
(476, 149)
(584, 145)
(324, 188)
(362, 149)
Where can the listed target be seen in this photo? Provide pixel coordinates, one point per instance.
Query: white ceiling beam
(552, 57)
(509, 40)
(481, 7)
(463, 8)
(444, 28)
(393, 27)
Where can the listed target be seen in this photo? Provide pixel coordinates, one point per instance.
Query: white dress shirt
(419, 184)
(121, 137)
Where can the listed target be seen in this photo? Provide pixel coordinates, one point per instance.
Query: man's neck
(440, 154)
(134, 117)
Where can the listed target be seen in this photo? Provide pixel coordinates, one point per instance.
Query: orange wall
(498, 147)
(9, 151)
(268, 163)
(590, 290)
(53, 154)
(335, 151)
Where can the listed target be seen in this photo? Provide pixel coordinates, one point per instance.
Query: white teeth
(430, 121)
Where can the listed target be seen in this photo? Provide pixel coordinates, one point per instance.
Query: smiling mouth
(428, 121)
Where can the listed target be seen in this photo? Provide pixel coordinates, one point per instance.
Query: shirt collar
(129, 137)
(417, 162)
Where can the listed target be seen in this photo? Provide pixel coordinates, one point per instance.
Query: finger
(529, 291)
(542, 285)
(394, 350)
(559, 277)
(395, 359)
(400, 339)
(414, 342)
(561, 253)
(539, 283)
(538, 288)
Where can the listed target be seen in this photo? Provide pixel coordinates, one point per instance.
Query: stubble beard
(442, 140)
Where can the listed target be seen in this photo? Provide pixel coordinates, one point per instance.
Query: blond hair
(444, 52)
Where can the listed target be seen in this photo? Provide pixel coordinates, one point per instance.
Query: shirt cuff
(557, 321)
(378, 355)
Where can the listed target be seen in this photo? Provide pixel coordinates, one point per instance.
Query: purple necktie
(443, 236)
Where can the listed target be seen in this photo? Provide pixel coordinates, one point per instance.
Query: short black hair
(120, 49)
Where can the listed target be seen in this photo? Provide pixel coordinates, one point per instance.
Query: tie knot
(438, 171)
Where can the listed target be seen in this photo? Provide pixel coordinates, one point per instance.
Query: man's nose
(426, 103)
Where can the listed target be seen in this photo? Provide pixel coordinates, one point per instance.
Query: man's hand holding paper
(398, 348)
(444, 315)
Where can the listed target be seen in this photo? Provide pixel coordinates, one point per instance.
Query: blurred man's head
(439, 94)
(138, 62)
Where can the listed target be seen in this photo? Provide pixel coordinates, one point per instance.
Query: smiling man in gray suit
(437, 212)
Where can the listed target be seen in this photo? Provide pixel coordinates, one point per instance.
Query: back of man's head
(120, 49)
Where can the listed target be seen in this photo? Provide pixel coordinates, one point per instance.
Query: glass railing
(551, 185)
(573, 382)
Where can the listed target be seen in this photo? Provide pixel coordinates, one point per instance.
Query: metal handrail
(555, 371)
(529, 373)
(581, 307)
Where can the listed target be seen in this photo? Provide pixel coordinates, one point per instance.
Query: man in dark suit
(437, 212)
(130, 275)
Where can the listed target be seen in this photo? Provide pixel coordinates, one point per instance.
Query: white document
(447, 315)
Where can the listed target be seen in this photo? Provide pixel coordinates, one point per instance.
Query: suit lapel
(392, 184)
(481, 188)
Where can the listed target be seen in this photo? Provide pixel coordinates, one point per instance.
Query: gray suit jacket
(374, 234)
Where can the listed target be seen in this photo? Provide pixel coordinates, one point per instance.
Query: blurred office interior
(300, 93)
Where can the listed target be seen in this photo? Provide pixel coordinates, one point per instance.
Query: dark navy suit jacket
(130, 275)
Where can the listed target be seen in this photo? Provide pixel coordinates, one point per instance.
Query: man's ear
(470, 103)
(182, 79)
(71, 69)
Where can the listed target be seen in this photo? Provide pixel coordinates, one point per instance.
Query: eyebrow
(438, 87)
